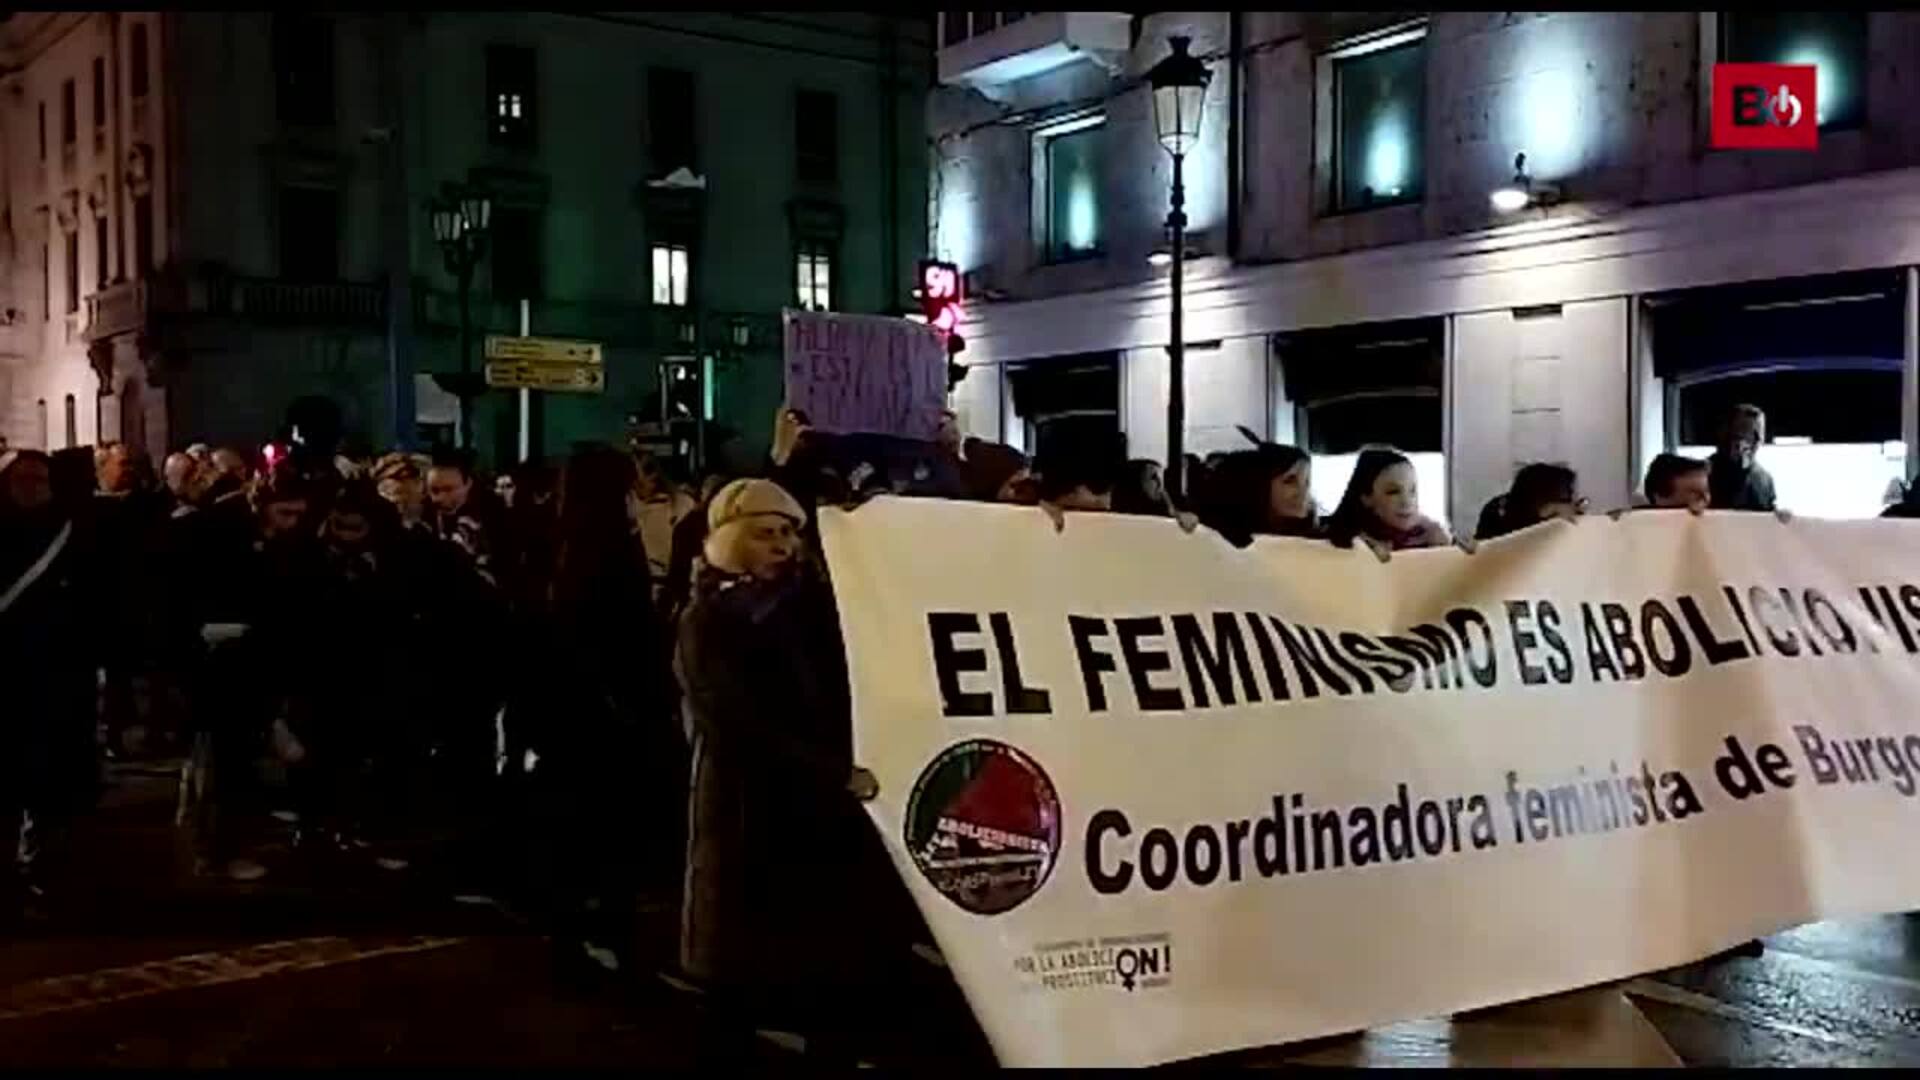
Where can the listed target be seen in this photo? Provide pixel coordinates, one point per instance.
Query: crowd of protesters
(574, 687)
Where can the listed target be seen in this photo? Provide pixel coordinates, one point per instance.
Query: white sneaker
(245, 870)
(604, 957)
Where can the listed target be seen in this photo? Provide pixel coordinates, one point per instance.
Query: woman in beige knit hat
(775, 791)
(753, 530)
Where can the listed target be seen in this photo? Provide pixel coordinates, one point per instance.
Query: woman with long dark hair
(1262, 492)
(1382, 506)
(593, 718)
(1540, 492)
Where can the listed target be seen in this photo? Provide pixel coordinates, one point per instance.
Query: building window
(815, 278)
(958, 26)
(514, 235)
(139, 78)
(303, 69)
(511, 79)
(46, 281)
(43, 133)
(1821, 358)
(40, 407)
(142, 234)
(309, 234)
(68, 123)
(671, 108)
(816, 137)
(1379, 122)
(1363, 385)
(1073, 153)
(99, 92)
(73, 421)
(100, 251)
(672, 273)
(73, 271)
(1833, 41)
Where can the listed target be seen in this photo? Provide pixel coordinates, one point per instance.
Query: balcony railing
(116, 309)
(131, 305)
(326, 302)
(993, 48)
(656, 328)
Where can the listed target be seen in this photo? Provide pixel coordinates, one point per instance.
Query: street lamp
(460, 217)
(1179, 89)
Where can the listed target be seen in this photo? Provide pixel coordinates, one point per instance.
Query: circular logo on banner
(983, 825)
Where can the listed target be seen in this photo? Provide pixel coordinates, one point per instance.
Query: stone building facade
(286, 159)
(1353, 282)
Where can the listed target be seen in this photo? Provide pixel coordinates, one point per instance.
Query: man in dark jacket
(48, 770)
(1736, 480)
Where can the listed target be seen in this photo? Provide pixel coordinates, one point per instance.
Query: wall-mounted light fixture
(1523, 191)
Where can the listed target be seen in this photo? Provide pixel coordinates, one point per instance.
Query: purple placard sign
(865, 373)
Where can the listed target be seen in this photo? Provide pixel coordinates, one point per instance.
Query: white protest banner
(865, 373)
(1159, 798)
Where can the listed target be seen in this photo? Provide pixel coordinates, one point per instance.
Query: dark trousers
(231, 713)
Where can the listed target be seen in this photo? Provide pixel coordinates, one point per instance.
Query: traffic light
(681, 390)
(940, 295)
(940, 299)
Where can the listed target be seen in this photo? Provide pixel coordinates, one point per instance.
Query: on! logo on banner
(1765, 107)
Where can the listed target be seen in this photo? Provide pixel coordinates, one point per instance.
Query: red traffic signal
(940, 294)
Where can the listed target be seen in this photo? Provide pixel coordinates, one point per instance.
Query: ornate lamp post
(1179, 90)
(460, 218)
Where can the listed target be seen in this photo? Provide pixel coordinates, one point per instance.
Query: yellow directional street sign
(542, 350)
(529, 375)
(521, 363)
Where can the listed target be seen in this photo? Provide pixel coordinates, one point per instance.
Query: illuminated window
(1822, 358)
(671, 274)
(1376, 384)
(1379, 123)
(815, 268)
(1073, 153)
(1834, 42)
(510, 96)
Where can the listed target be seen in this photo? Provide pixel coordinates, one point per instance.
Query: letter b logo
(1765, 107)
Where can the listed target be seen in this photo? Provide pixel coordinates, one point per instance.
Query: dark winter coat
(777, 869)
(1735, 488)
(49, 654)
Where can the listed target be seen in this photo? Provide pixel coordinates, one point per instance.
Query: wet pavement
(144, 964)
